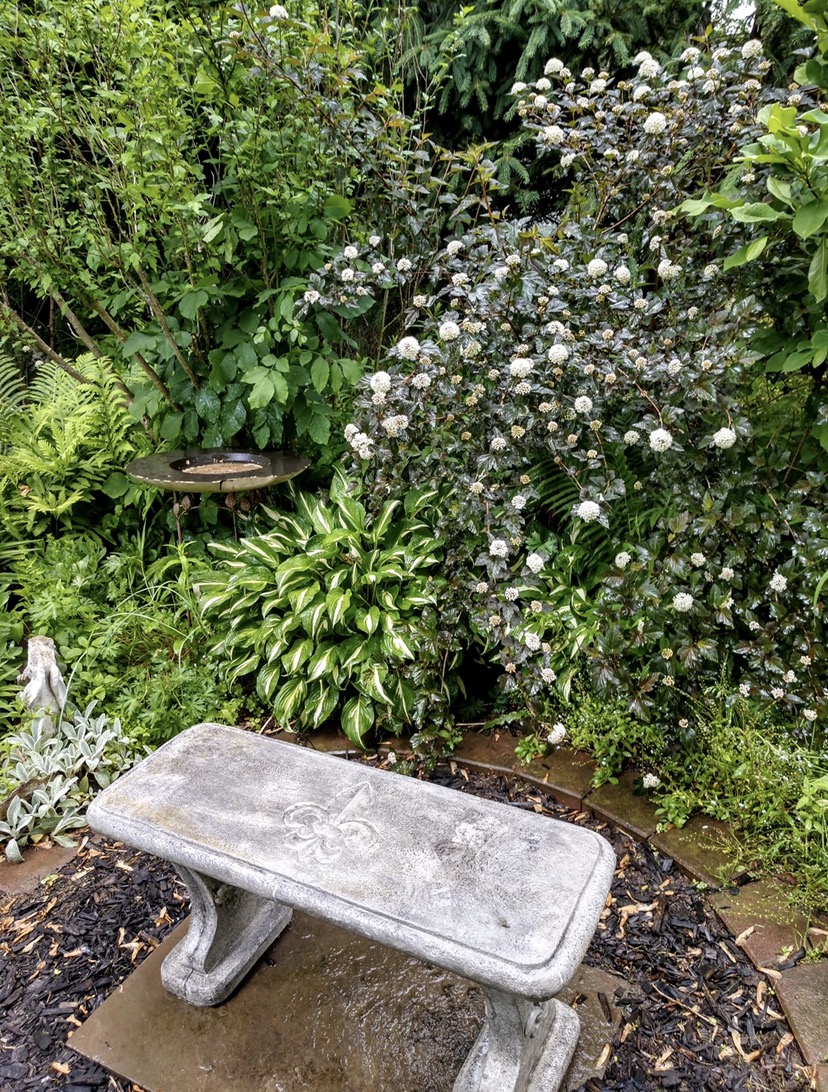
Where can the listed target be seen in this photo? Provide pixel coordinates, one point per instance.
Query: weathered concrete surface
(585, 992)
(803, 994)
(618, 805)
(501, 896)
(324, 1010)
(38, 862)
(703, 848)
(762, 911)
(567, 774)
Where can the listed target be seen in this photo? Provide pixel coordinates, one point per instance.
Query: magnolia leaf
(810, 218)
(818, 273)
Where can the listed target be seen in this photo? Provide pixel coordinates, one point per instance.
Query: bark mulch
(696, 1015)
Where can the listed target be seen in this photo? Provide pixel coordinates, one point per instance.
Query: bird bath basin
(221, 470)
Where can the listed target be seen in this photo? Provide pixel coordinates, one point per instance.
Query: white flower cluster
(778, 582)
(552, 135)
(359, 441)
(660, 440)
(557, 354)
(408, 348)
(622, 559)
(395, 425)
(380, 382)
(724, 438)
(449, 331)
(421, 381)
(683, 602)
(588, 511)
(557, 733)
(752, 49)
(655, 123)
(278, 12)
(499, 547)
(535, 563)
(597, 268)
(650, 781)
(454, 247)
(583, 405)
(521, 367)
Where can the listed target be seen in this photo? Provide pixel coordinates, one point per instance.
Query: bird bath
(222, 470)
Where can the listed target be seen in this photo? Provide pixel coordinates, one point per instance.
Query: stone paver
(567, 774)
(618, 805)
(803, 994)
(821, 1077)
(702, 848)
(489, 752)
(38, 862)
(324, 1009)
(764, 907)
(592, 1055)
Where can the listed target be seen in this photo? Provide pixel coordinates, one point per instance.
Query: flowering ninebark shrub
(603, 360)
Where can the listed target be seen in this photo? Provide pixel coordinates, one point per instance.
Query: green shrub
(336, 612)
(602, 359)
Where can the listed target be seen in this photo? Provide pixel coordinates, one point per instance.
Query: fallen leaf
(61, 1067)
(784, 1042)
(742, 937)
(604, 1056)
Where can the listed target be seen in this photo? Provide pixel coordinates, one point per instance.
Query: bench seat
(257, 827)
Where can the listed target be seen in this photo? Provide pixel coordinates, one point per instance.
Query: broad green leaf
(301, 598)
(338, 600)
(300, 652)
(818, 273)
(357, 718)
(192, 302)
(288, 701)
(207, 404)
(810, 218)
(746, 253)
(116, 485)
(336, 207)
(798, 13)
(320, 373)
(139, 343)
(756, 212)
(315, 619)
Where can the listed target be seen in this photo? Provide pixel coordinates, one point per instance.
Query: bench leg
(229, 930)
(524, 1046)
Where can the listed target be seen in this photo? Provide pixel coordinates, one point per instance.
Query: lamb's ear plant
(55, 774)
(336, 612)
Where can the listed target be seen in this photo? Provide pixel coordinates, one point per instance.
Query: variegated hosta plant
(336, 612)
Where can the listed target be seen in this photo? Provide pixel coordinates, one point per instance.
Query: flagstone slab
(567, 774)
(324, 1009)
(38, 862)
(703, 848)
(764, 907)
(617, 804)
(803, 994)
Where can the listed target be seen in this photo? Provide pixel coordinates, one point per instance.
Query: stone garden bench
(495, 894)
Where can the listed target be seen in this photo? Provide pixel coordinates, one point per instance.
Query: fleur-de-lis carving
(325, 832)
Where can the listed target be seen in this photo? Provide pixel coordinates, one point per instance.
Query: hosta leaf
(383, 521)
(372, 682)
(300, 598)
(353, 513)
(357, 718)
(338, 600)
(315, 619)
(300, 652)
(323, 663)
(267, 681)
(322, 700)
(368, 620)
(354, 651)
(289, 700)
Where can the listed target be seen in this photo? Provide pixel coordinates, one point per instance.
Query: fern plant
(61, 443)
